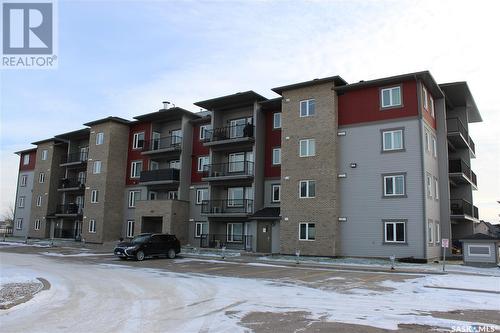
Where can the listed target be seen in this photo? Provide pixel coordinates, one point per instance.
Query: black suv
(149, 245)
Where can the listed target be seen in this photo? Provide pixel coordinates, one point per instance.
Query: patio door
(176, 137)
(237, 126)
(155, 140)
(234, 232)
(84, 153)
(236, 162)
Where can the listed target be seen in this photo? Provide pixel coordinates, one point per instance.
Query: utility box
(480, 250)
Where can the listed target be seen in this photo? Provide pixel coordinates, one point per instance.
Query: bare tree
(8, 214)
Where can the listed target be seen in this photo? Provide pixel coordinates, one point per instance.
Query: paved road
(104, 294)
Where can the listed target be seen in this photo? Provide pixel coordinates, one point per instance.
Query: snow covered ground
(119, 298)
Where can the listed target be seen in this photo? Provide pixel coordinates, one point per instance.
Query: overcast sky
(124, 58)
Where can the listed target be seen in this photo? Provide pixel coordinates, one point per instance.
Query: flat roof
(173, 113)
(239, 99)
(46, 140)
(81, 133)
(110, 118)
(271, 104)
(459, 94)
(425, 76)
(337, 80)
(25, 151)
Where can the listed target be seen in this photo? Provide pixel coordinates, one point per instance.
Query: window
(135, 169)
(430, 232)
(96, 167)
(94, 196)
(235, 196)
(307, 147)
(175, 164)
(138, 140)
(391, 97)
(45, 154)
(21, 202)
(394, 232)
(99, 138)
(394, 185)
(37, 224)
(201, 228)
(437, 234)
(173, 195)
(153, 165)
(428, 182)
(41, 177)
(392, 140)
(130, 228)
(237, 128)
(153, 195)
(237, 162)
(19, 224)
(425, 97)
(205, 132)
(176, 136)
(436, 188)
(307, 107)
(307, 189)
(92, 227)
(24, 180)
(235, 232)
(133, 196)
(276, 193)
(434, 147)
(202, 162)
(277, 120)
(201, 195)
(276, 156)
(477, 250)
(427, 141)
(431, 105)
(26, 159)
(39, 201)
(307, 231)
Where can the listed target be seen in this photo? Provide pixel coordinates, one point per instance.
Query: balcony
(462, 209)
(229, 135)
(460, 173)
(164, 145)
(160, 177)
(72, 184)
(74, 159)
(458, 135)
(231, 242)
(229, 208)
(69, 209)
(228, 171)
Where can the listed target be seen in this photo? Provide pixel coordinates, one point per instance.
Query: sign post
(445, 243)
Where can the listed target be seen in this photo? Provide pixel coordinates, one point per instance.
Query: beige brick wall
(321, 210)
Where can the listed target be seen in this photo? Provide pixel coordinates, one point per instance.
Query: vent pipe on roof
(166, 104)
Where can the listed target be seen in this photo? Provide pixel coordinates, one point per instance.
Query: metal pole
(444, 257)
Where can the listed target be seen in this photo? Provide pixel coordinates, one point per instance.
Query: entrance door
(264, 237)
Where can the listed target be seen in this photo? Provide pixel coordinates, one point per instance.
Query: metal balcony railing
(75, 157)
(159, 175)
(242, 168)
(72, 182)
(229, 206)
(230, 132)
(461, 207)
(455, 125)
(168, 142)
(69, 208)
(232, 242)
(459, 166)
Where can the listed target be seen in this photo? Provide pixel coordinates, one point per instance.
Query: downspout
(422, 165)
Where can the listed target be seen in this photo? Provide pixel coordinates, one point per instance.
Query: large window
(138, 140)
(99, 138)
(205, 132)
(277, 120)
(307, 107)
(202, 162)
(130, 228)
(392, 140)
(276, 156)
(200, 228)
(136, 169)
(235, 232)
(307, 189)
(276, 192)
(390, 97)
(26, 159)
(94, 196)
(96, 167)
(24, 180)
(394, 185)
(92, 226)
(201, 195)
(19, 224)
(307, 231)
(45, 154)
(394, 232)
(133, 196)
(307, 147)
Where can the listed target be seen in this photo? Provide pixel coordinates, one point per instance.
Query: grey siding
(492, 258)
(195, 214)
(268, 202)
(25, 212)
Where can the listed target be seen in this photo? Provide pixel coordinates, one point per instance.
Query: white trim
(39, 201)
(96, 167)
(230, 235)
(276, 115)
(92, 226)
(425, 96)
(434, 146)
(391, 101)
(134, 172)
(94, 196)
(430, 232)
(307, 236)
(20, 203)
(278, 149)
(393, 194)
(310, 147)
(437, 232)
(308, 190)
(273, 186)
(203, 131)
(394, 229)
(392, 134)
(479, 255)
(130, 228)
(199, 197)
(428, 185)
(37, 224)
(26, 159)
(308, 110)
(132, 197)
(198, 233)
(41, 177)
(45, 154)
(201, 165)
(432, 107)
(23, 181)
(19, 223)
(99, 138)
(136, 140)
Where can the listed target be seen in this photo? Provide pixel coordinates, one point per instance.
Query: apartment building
(371, 169)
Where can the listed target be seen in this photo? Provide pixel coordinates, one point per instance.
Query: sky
(123, 58)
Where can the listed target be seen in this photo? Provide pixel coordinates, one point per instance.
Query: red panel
(426, 113)
(198, 150)
(135, 154)
(363, 105)
(273, 140)
(31, 165)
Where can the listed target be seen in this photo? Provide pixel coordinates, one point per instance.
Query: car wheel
(139, 255)
(171, 254)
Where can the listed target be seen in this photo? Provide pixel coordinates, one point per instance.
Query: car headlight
(131, 248)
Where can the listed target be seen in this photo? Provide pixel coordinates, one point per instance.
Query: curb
(45, 286)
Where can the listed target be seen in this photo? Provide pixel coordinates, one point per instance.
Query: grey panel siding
(361, 200)
(268, 199)
(195, 214)
(24, 213)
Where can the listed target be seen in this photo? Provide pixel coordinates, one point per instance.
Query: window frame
(21, 202)
(96, 170)
(307, 236)
(428, 185)
(92, 226)
(39, 201)
(203, 130)
(431, 106)
(130, 228)
(198, 196)
(26, 159)
(37, 224)
(436, 188)
(232, 234)
(19, 223)
(200, 158)
(427, 138)
(273, 186)
(23, 181)
(199, 233)
(430, 232)
(94, 196)
(392, 131)
(307, 102)
(395, 222)
(45, 154)
(308, 147)
(437, 232)
(99, 138)
(132, 197)
(133, 169)
(478, 255)
(434, 146)
(391, 105)
(384, 187)
(425, 97)
(276, 115)
(273, 162)
(136, 140)
(41, 177)
(307, 181)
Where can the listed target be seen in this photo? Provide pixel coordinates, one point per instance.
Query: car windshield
(140, 239)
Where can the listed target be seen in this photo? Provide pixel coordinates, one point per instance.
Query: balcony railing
(168, 142)
(230, 132)
(463, 207)
(69, 208)
(459, 166)
(242, 168)
(230, 206)
(232, 242)
(75, 157)
(159, 175)
(455, 125)
(77, 182)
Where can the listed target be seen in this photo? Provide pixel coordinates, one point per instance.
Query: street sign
(445, 242)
